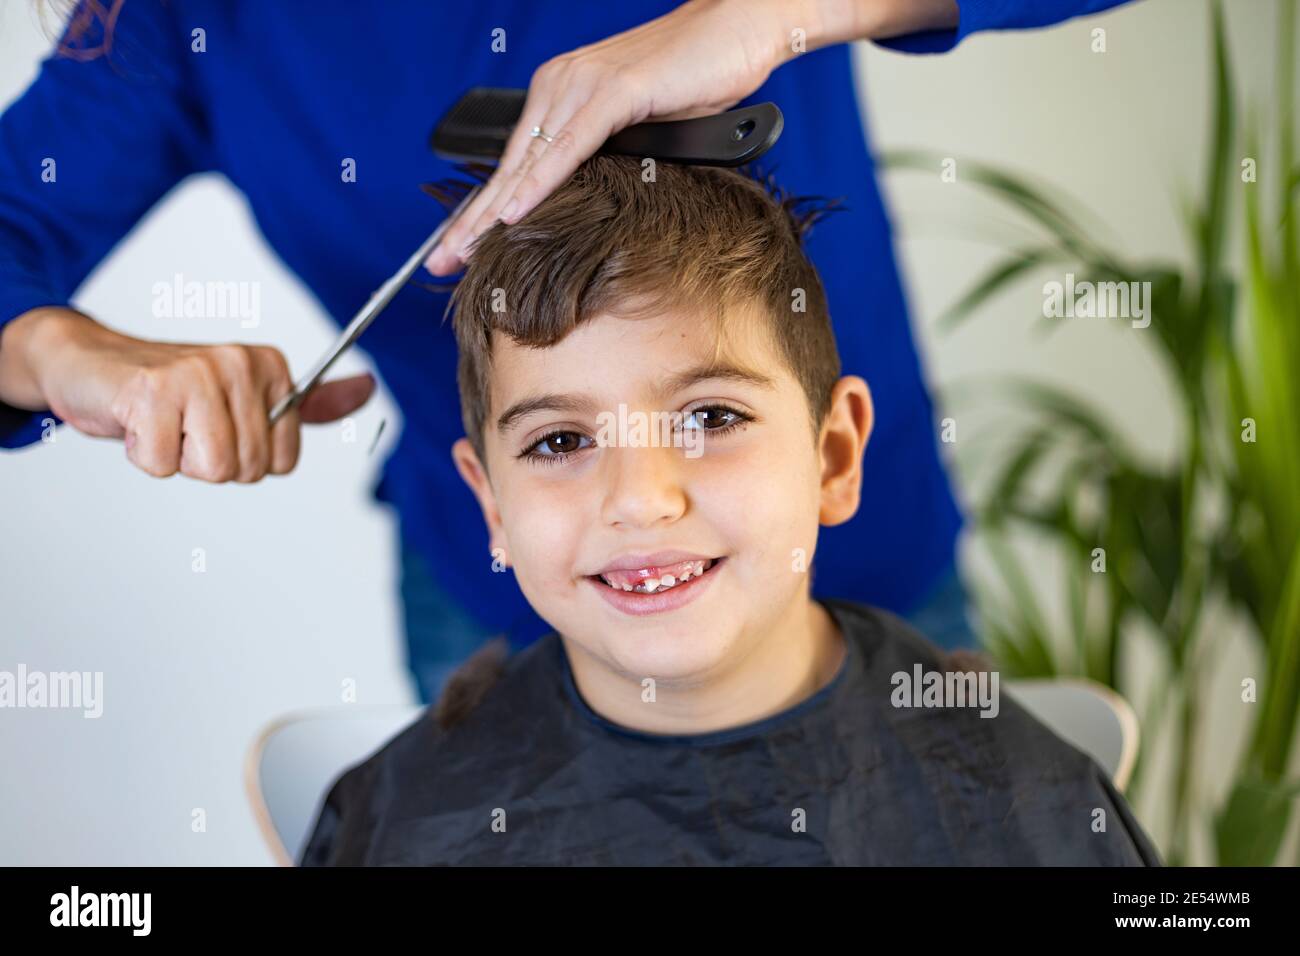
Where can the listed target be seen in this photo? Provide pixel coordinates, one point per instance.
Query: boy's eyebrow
(542, 403)
(710, 370)
(555, 402)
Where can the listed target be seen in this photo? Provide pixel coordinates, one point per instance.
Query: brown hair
(84, 19)
(705, 239)
(470, 681)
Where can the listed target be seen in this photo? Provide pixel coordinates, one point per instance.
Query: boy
(694, 704)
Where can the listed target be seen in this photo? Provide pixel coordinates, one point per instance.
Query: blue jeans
(944, 616)
(441, 634)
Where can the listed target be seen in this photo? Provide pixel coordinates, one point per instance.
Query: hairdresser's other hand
(197, 409)
(699, 59)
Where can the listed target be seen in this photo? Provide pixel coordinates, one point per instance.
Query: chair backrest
(1088, 715)
(293, 762)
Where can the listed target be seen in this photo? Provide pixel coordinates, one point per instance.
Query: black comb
(479, 125)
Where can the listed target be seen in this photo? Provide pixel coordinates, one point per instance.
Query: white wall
(300, 589)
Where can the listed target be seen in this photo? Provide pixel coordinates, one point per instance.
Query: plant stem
(1179, 847)
(1155, 718)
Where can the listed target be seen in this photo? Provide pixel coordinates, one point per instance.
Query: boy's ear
(844, 435)
(475, 475)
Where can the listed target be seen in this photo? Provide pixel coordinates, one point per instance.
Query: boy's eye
(556, 445)
(711, 418)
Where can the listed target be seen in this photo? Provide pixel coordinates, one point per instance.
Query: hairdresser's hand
(197, 409)
(701, 58)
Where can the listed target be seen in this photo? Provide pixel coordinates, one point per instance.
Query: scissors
(370, 311)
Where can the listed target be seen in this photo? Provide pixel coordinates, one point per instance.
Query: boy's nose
(643, 486)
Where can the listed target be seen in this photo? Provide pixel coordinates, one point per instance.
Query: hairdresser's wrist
(801, 26)
(28, 342)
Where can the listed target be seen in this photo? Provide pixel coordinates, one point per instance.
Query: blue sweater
(285, 91)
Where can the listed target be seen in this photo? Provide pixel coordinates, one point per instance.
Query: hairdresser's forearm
(827, 22)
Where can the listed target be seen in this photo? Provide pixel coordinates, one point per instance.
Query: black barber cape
(532, 776)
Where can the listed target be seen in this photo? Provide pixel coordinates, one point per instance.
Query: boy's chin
(686, 652)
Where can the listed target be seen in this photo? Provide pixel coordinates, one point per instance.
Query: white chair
(295, 759)
(1089, 715)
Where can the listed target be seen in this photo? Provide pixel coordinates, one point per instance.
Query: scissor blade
(361, 321)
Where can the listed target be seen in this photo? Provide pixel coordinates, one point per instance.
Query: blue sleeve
(980, 15)
(86, 150)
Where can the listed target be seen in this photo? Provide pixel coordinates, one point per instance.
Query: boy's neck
(801, 654)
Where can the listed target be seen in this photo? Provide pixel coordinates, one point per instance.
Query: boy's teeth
(629, 580)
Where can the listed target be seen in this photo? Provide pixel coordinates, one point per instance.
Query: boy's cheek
(756, 479)
(546, 536)
(768, 509)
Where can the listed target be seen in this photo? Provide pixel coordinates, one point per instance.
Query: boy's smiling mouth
(648, 584)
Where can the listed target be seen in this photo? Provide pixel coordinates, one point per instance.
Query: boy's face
(735, 482)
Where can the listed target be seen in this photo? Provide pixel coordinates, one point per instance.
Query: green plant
(1168, 553)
